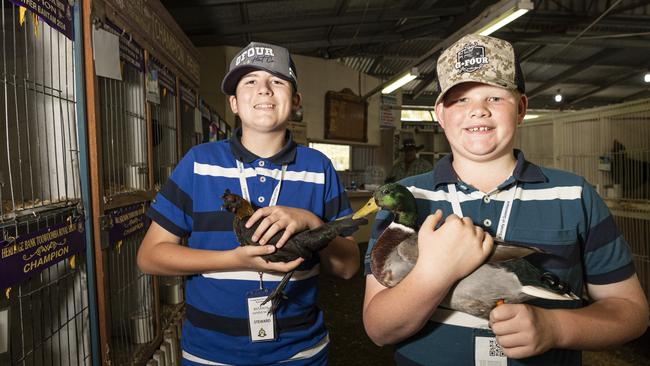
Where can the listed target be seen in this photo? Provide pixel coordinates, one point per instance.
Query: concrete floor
(350, 346)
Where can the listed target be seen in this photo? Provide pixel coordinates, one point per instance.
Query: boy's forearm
(394, 314)
(170, 259)
(341, 257)
(605, 323)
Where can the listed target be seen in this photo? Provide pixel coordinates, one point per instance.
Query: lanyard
(244, 185)
(246, 194)
(505, 211)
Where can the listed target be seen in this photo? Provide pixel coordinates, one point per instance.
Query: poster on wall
(389, 114)
(346, 116)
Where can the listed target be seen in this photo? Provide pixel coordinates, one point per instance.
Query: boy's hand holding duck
(471, 245)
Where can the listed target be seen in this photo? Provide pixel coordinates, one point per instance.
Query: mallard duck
(302, 244)
(506, 277)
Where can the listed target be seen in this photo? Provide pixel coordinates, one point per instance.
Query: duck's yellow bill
(367, 209)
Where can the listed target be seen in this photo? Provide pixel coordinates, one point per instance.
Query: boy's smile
(479, 129)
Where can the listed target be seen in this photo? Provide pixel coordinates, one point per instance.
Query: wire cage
(610, 147)
(39, 165)
(205, 120)
(191, 130)
(217, 127)
(131, 307)
(45, 302)
(123, 126)
(48, 312)
(163, 120)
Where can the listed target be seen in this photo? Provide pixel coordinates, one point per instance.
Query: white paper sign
(106, 52)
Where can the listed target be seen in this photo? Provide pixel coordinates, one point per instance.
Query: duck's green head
(393, 197)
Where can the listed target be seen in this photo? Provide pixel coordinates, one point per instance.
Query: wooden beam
(96, 183)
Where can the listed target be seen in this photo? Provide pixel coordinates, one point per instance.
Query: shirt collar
(524, 171)
(527, 172)
(285, 156)
(444, 173)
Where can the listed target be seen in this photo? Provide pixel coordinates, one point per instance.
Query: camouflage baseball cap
(260, 56)
(481, 59)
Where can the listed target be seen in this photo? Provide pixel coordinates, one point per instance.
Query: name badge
(487, 352)
(261, 321)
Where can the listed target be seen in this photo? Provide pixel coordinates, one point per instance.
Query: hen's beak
(367, 209)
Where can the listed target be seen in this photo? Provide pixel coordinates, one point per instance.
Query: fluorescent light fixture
(646, 77)
(518, 9)
(531, 116)
(558, 96)
(410, 76)
(4, 330)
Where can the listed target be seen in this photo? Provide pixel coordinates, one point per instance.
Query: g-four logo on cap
(470, 58)
(263, 53)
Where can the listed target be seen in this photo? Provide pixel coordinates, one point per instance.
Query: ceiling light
(401, 81)
(558, 96)
(646, 77)
(518, 9)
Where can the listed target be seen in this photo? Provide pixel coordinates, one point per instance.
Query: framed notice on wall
(346, 116)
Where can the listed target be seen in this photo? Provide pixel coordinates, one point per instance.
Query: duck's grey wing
(512, 282)
(503, 251)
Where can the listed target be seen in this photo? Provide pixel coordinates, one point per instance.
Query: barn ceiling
(595, 52)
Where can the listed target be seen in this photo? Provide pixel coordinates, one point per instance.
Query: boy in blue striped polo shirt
(498, 193)
(295, 188)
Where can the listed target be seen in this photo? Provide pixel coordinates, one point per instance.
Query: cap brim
(498, 83)
(230, 81)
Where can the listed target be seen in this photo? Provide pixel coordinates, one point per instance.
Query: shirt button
(262, 179)
(486, 199)
(487, 222)
(261, 163)
(260, 199)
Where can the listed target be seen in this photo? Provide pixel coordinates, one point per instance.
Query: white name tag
(260, 320)
(487, 352)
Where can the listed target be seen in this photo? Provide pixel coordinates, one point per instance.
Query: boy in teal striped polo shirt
(481, 102)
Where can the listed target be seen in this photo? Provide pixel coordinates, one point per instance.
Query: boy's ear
(522, 108)
(296, 99)
(438, 111)
(232, 100)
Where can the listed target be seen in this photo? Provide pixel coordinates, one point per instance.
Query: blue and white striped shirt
(189, 204)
